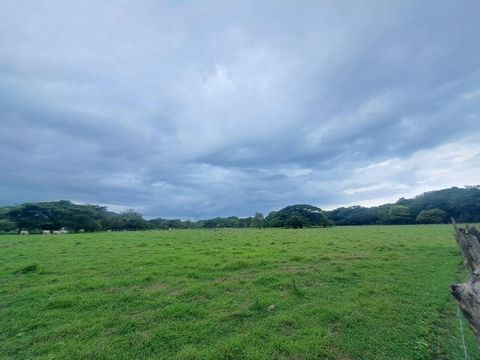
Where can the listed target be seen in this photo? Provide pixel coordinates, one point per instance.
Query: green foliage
(56, 215)
(274, 220)
(431, 216)
(297, 216)
(337, 293)
(165, 224)
(229, 222)
(296, 221)
(399, 214)
(359, 215)
(130, 220)
(7, 225)
(258, 220)
(463, 204)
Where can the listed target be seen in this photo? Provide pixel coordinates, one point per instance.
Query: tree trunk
(468, 294)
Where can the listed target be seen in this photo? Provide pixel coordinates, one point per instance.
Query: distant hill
(463, 204)
(438, 206)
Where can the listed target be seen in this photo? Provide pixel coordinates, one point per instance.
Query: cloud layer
(217, 108)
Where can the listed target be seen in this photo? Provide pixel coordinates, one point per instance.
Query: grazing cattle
(81, 231)
(24, 232)
(46, 232)
(60, 232)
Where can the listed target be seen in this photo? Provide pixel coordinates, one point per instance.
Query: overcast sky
(195, 109)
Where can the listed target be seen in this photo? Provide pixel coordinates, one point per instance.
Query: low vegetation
(370, 292)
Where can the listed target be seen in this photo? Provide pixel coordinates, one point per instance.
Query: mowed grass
(371, 292)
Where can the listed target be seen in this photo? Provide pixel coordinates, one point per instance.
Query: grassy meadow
(369, 292)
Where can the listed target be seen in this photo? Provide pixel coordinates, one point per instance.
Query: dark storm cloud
(204, 109)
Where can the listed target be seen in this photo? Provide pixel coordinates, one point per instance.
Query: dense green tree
(308, 214)
(296, 221)
(56, 215)
(431, 216)
(355, 215)
(85, 222)
(399, 214)
(164, 224)
(257, 220)
(228, 222)
(274, 220)
(463, 204)
(132, 220)
(7, 225)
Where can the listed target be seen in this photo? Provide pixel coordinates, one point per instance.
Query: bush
(431, 216)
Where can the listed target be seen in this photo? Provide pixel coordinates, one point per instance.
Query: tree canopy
(297, 216)
(438, 206)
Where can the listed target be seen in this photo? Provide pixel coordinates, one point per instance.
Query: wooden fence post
(468, 293)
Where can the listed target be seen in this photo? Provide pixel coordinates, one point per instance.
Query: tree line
(434, 207)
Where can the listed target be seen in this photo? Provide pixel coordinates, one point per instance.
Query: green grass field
(371, 292)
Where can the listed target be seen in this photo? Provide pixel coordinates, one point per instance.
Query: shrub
(431, 216)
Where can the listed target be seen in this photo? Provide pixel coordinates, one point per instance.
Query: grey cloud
(205, 109)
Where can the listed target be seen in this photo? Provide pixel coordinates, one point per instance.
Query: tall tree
(257, 220)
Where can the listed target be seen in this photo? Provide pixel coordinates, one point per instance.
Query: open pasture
(370, 292)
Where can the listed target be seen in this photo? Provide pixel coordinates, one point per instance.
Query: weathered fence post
(468, 294)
